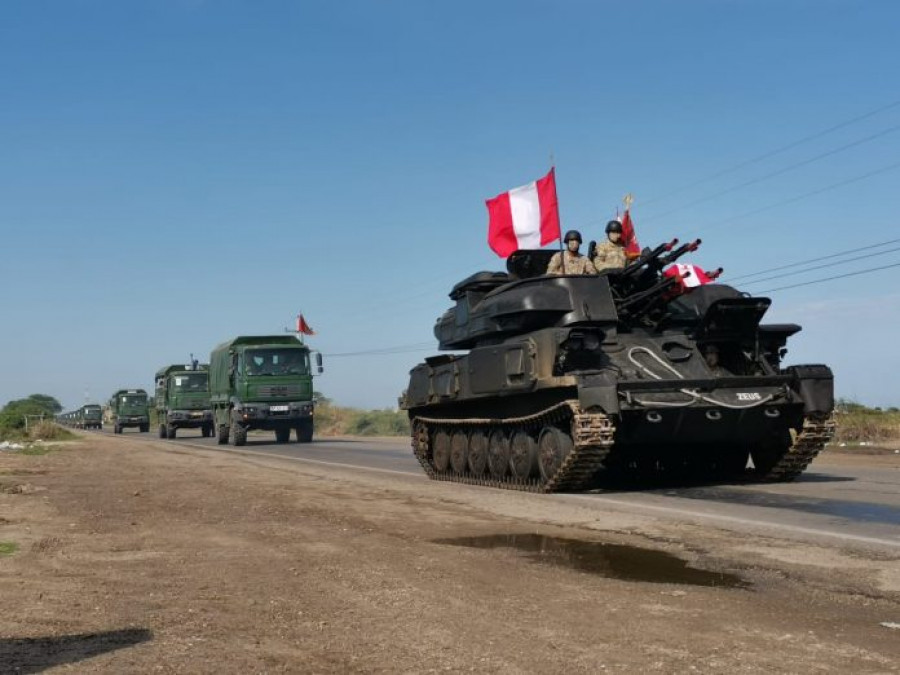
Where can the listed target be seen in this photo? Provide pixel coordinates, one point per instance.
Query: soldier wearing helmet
(610, 254)
(575, 263)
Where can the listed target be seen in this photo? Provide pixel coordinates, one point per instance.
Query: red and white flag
(303, 327)
(629, 239)
(524, 217)
(688, 276)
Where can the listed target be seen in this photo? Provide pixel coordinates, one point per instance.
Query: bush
(332, 420)
(857, 423)
(48, 431)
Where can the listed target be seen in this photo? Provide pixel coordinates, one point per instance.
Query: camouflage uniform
(609, 256)
(575, 264)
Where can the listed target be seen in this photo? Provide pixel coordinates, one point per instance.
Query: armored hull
(558, 379)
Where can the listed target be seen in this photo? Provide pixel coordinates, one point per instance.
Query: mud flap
(598, 391)
(815, 385)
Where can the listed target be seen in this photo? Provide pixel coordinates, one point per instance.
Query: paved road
(850, 506)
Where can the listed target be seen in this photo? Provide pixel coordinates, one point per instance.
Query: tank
(556, 381)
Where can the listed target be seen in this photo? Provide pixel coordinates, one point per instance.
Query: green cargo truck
(129, 408)
(262, 382)
(182, 399)
(90, 416)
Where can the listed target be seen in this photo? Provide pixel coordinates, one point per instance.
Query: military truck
(89, 417)
(129, 408)
(566, 379)
(262, 382)
(182, 399)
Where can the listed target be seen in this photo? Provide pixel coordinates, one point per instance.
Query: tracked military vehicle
(564, 379)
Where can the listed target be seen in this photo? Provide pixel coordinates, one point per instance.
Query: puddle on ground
(614, 561)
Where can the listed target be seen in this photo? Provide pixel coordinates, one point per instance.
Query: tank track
(817, 430)
(592, 433)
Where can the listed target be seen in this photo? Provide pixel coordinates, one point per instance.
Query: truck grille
(284, 390)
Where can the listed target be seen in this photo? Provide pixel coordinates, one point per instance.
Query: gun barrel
(680, 251)
(634, 266)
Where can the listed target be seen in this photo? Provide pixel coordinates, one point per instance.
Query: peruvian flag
(629, 240)
(524, 217)
(688, 276)
(303, 327)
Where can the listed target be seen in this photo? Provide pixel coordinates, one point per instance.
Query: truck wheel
(238, 434)
(162, 431)
(206, 431)
(283, 435)
(222, 438)
(145, 428)
(305, 433)
(172, 431)
(117, 429)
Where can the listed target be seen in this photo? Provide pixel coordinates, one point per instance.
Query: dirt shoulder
(137, 557)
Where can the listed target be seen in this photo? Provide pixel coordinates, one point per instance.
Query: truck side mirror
(319, 362)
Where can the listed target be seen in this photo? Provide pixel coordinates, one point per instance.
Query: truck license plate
(278, 408)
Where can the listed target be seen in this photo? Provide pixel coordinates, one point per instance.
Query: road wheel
(305, 433)
(222, 438)
(172, 431)
(283, 435)
(459, 451)
(162, 431)
(440, 451)
(498, 454)
(553, 448)
(478, 452)
(523, 455)
(238, 434)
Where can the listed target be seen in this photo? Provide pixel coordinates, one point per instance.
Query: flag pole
(562, 248)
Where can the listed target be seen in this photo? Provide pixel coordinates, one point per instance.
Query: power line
(838, 276)
(773, 174)
(812, 260)
(384, 351)
(819, 267)
(772, 153)
(805, 195)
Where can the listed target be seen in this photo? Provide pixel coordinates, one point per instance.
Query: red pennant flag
(524, 217)
(629, 240)
(303, 327)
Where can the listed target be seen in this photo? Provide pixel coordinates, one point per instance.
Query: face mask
(614, 237)
(573, 245)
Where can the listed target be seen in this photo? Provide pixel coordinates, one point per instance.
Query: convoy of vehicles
(89, 416)
(182, 399)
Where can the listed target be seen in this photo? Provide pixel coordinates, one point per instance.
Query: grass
(332, 420)
(36, 450)
(8, 547)
(868, 425)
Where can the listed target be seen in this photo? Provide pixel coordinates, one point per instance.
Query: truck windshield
(134, 399)
(190, 382)
(276, 362)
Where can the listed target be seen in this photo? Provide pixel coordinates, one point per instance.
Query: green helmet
(614, 226)
(572, 234)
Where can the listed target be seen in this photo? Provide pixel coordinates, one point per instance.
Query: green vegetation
(858, 423)
(14, 413)
(8, 548)
(332, 420)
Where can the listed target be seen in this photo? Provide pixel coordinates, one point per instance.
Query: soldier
(610, 254)
(575, 262)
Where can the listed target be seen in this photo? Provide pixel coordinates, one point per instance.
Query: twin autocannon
(565, 378)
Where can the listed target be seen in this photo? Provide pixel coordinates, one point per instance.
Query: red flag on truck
(303, 327)
(689, 276)
(524, 217)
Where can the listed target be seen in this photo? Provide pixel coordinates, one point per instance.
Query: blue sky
(178, 172)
